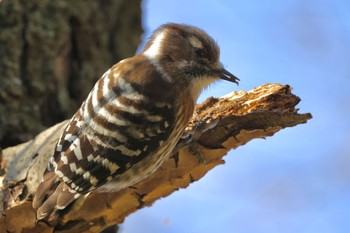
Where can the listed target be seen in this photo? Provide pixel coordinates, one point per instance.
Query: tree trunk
(52, 53)
(218, 126)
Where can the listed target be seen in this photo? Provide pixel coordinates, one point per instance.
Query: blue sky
(299, 179)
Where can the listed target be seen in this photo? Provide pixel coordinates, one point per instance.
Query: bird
(132, 119)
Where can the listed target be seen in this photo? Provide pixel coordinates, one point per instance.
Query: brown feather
(65, 197)
(58, 200)
(45, 189)
(48, 206)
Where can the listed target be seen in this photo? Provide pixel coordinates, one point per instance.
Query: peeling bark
(218, 126)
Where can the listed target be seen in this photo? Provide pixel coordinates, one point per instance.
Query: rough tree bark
(52, 53)
(218, 126)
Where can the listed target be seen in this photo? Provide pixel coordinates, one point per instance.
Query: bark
(218, 126)
(52, 53)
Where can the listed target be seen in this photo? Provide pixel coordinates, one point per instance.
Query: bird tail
(52, 196)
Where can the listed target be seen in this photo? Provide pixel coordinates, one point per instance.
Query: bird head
(186, 56)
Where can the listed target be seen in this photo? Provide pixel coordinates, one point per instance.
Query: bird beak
(225, 75)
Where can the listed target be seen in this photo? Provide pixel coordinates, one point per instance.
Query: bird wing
(122, 121)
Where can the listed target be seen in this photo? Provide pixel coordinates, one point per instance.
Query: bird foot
(195, 150)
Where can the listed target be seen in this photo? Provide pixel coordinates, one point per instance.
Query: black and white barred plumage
(132, 118)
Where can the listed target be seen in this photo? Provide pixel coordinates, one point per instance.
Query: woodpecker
(132, 119)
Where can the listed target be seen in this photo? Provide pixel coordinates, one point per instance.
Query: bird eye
(199, 52)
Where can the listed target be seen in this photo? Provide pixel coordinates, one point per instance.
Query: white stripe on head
(195, 42)
(154, 51)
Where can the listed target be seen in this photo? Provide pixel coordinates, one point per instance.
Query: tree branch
(218, 126)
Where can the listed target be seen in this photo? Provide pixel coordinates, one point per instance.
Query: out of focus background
(299, 179)
(52, 52)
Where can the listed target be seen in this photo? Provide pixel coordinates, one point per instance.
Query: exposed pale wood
(218, 126)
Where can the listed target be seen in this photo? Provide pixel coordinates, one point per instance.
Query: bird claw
(194, 150)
